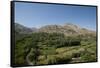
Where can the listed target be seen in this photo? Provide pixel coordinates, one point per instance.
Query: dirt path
(27, 57)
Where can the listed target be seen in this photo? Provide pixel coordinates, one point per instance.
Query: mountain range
(67, 29)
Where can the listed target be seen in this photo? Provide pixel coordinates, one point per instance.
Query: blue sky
(37, 15)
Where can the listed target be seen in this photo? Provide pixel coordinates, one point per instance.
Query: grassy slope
(83, 53)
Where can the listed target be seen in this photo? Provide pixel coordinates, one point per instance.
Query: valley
(54, 44)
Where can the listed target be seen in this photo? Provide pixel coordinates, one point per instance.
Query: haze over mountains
(67, 29)
(22, 29)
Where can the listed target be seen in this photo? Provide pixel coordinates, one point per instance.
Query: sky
(38, 15)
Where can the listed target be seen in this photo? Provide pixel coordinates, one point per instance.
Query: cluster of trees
(38, 41)
(54, 39)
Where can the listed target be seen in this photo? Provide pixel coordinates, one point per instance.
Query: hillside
(67, 29)
(23, 29)
(54, 44)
